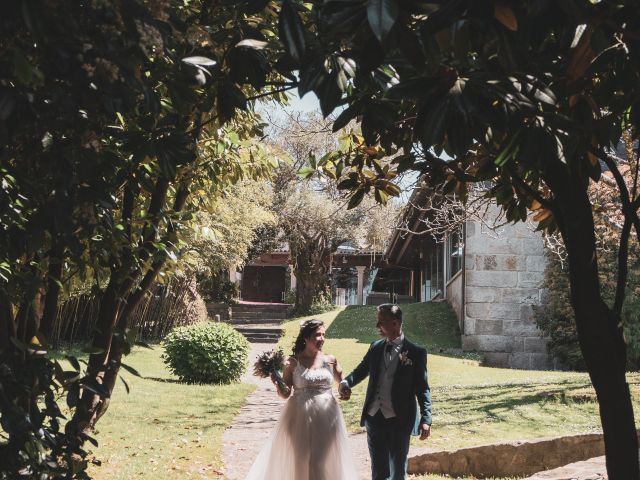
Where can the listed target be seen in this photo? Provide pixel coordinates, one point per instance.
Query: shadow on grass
(497, 402)
(431, 324)
(166, 380)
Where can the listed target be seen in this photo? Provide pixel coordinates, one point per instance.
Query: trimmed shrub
(206, 353)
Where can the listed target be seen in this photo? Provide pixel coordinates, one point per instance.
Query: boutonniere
(404, 358)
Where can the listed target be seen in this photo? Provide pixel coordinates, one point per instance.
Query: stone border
(510, 459)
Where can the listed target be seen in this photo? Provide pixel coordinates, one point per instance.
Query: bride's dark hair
(307, 329)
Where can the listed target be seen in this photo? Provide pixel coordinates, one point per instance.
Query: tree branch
(623, 266)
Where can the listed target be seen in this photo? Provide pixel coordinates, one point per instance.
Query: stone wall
(503, 276)
(509, 459)
(454, 295)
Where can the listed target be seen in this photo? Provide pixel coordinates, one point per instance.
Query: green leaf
(348, 184)
(292, 31)
(346, 116)
(505, 155)
(382, 15)
(306, 172)
(356, 199)
(126, 385)
(131, 370)
(24, 70)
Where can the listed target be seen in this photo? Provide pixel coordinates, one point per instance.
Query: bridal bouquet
(269, 364)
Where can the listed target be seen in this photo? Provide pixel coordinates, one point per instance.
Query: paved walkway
(252, 427)
(592, 469)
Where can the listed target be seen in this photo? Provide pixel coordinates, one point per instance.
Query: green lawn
(472, 405)
(163, 428)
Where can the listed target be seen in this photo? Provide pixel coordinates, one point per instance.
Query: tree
(526, 94)
(224, 230)
(312, 213)
(556, 318)
(111, 115)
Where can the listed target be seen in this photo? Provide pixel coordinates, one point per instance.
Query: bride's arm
(287, 375)
(337, 369)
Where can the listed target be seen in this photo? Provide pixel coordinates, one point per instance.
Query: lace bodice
(312, 379)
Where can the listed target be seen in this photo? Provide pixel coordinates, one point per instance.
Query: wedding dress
(309, 441)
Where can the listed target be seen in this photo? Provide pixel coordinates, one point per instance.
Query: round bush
(206, 353)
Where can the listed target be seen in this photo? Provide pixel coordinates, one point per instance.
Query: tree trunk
(599, 332)
(7, 322)
(305, 291)
(85, 414)
(310, 267)
(115, 353)
(114, 358)
(53, 291)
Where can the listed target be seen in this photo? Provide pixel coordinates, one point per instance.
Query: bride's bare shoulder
(330, 359)
(293, 361)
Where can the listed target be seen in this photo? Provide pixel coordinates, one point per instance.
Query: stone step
(257, 339)
(261, 321)
(260, 333)
(280, 306)
(259, 330)
(257, 314)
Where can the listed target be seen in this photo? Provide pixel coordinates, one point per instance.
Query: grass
(163, 428)
(166, 429)
(472, 405)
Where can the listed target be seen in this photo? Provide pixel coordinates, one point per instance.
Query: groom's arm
(361, 371)
(423, 392)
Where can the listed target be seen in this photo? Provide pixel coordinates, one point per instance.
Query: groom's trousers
(388, 441)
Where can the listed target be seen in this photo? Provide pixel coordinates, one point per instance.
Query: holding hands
(344, 392)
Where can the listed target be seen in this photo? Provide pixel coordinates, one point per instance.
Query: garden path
(592, 469)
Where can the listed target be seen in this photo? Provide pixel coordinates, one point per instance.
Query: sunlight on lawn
(472, 405)
(164, 429)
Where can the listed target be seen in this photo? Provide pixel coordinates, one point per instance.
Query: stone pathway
(592, 469)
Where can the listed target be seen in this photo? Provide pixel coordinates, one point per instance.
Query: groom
(397, 372)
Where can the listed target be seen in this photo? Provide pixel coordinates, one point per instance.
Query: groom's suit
(397, 378)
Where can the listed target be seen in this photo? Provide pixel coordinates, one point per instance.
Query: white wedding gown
(309, 441)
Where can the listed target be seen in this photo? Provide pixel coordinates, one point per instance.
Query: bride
(310, 440)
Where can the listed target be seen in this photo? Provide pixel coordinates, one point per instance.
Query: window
(454, 252)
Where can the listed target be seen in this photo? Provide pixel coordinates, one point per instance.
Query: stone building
(500, 284)
(492, 279)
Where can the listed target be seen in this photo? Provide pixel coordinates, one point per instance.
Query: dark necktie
(388, 348)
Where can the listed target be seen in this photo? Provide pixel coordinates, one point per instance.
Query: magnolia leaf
(535, 205)
(252, 43)
(382, 15)
(199, 61)
(131, 370)
(126, 385)
(581, 57)
(356, 199)
(306, 172)
(504, 14)
(543, 214)
(292, 31)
